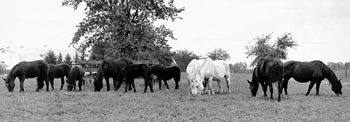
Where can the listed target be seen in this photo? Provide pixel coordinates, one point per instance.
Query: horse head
(336, 87)
(10, 84)
(97, 83)
(196, 86)
(253, 87)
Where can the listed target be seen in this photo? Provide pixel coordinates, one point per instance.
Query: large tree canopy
(263, 49)
(218, 54)
(124, 28)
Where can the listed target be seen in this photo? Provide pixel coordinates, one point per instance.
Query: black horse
(314, 71)
(75, 74)
(58, 71)
(130, 72)
(166, 73)
(109, 68)
(267, 71)
(28, 69)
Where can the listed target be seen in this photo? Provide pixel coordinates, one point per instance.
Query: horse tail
(174, 62)
(177, 73)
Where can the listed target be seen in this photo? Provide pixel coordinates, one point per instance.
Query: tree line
(52, 58)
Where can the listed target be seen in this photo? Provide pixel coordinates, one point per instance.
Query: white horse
(208, 70)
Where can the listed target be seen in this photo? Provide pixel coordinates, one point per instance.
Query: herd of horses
(200, 74)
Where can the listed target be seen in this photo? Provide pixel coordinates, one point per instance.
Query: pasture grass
(174, 105)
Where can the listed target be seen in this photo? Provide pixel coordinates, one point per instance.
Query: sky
(320, 27)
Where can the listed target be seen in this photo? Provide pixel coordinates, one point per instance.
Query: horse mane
(99, 70)
(329, 74)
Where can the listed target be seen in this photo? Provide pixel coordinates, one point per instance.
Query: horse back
(217, 68)
(30, 69)
(76, 73)
(269, 70)
(305, 71)
(193, 68)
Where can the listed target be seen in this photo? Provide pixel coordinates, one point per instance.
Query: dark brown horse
(166, 73)
(75, 74)
(109, 68)
(28, 69)
(267, 71)
(130, 72)
(58, 71)
(314, 71)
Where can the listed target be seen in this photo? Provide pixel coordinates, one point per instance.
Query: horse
(204, 71)
(314, 71)
(28, 69)
(58, 71)
(109, 68)
(267, 71)
(75, 74)
(166, 73)
(130, 72)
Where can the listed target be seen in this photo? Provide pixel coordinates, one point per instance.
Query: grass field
(174, 105)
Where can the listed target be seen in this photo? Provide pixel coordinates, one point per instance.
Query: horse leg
(176, 84)
(62, 83)
(219, 85)
(21, 81)
(39, 83)
(80, 83)
(310, 87)
(210, 87)
(74, 86)
(51, 82)
(127, 82)
(280, 89)
(318, 83)
(271, 90)
(166, 83)
(160, 83)
(264, 87)
(47, 82)
(133, 86)
(285, 85)
(228, 83)
(117, 84)
(151, 85)
(107, 82)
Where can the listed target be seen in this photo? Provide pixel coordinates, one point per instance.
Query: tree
(263, 49)
(76, 58)
(340, 65)
(125, 28)
(347, 66)
(68, 59)
(239, 67)
(83, 54)
(183, 57)
(59, 58)
(2, 67)
(332, 65)
(219, 54)
(50, 57)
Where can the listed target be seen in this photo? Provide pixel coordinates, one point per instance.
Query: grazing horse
(166, 73)
(267, 71)
(58, 71)
(314, 71)
(130, 72)
(28, 69)
(109, 68)
(75, 74)
(207, 70)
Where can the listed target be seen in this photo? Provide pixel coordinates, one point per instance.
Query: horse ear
(249, 82)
